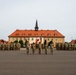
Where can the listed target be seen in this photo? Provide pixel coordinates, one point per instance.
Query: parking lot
(19, 63)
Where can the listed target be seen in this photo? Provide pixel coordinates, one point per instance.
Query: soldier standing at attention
(51, 46)
(33, 48)
(39, 47)
(27, 47)
(25, 42)
(45, 46)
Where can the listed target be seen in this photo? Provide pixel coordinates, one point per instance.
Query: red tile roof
(45, 33)
(2, 41)
(73, 42)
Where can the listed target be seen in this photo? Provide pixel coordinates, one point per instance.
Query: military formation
(65, 46)
(10, 46)
(33, 47)
(38, 46)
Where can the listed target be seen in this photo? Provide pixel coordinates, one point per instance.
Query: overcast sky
(51, 14)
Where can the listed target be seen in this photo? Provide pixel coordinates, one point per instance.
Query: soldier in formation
(51, 46)
(65, 46)
(39, 47)
(10, 46)
(27, 47)
(45, 46)
(33, 48)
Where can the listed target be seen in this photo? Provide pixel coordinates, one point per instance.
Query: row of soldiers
(10, 46)
(65, 46)
(39, 46)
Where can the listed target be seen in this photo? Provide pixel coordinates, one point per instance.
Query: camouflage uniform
(0, 46)
(72, 46)
(11, 46)
(40, 48)
(19, 46)
(27, 47)
(52, 47)
(66, 46)
(62, 46)
(69, 46)
(8, 46)
(33, 48)
(75, 46)
(45, 46)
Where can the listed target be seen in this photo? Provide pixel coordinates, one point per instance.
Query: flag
(39, 39)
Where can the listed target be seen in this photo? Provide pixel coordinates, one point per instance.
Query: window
(42, 34)
(48, 34)
(23, 34)
(12, 38)
(36, 34)
(48, 39)
(16, 38)
(28, 38)
(32, 38)
(24, 38)
(20, 38)
(17, 34)
(55, 34)
(29, 34)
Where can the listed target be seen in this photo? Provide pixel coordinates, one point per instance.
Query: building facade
(37, 35)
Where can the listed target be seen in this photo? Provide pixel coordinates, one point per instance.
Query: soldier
(33, 48)
(45, 46)
(19, 46)
(69, 46)
(8, 46)
(0, 46)
(39, 47)
(72, 45)
(3, 45)
(51, 46)
(66, 46)
(62, 46)
(11, 46)
(25, 42)
(75, 46)
(27, 47)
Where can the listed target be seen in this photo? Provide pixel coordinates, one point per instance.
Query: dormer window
(29, 34)
(55, 34)
(36, 34)
(42, 34)
(17, 34)
(23, 34)
(48, 34)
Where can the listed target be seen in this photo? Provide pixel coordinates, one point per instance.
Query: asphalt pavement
(19, 63)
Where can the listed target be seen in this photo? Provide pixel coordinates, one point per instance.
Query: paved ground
(19, 63)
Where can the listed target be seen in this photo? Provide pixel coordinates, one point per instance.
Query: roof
(33, 33)
(73, 42)
(2, 41)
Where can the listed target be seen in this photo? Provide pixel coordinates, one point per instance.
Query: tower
(36, 26)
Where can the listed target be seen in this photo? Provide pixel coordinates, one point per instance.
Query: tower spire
(36, 26)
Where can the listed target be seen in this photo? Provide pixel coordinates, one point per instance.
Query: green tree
(16, 41)
(21, 42)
